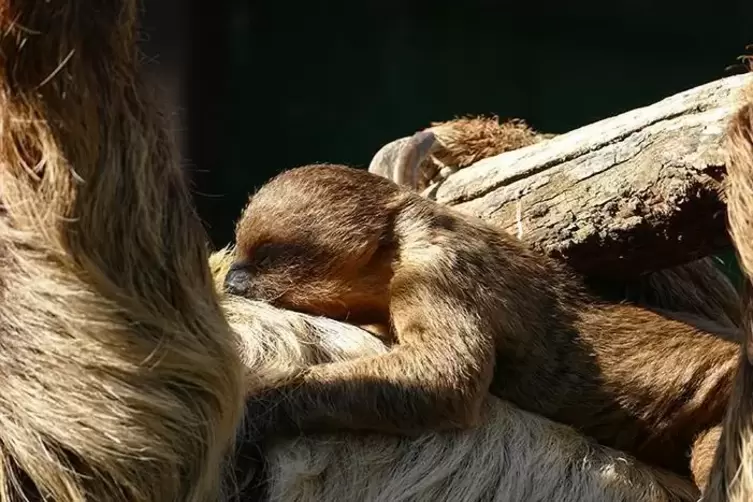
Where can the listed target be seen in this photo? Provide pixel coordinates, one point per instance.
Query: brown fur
(698, 288)
(702, 458)
(121, 379)
(120, 375)
(459, 143)
(512, 455)
(466, 140)
(731, 477)
(461, 294)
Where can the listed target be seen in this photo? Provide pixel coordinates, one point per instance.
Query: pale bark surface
(625, 195)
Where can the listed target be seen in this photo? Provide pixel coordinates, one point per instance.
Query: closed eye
(267, 255)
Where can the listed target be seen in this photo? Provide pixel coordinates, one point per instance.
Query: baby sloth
(470, 308)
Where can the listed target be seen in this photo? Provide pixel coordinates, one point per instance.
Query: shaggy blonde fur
(120, 375)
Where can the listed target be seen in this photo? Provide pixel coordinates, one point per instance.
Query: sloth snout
(238, 279)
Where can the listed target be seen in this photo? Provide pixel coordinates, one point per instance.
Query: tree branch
(626, 195)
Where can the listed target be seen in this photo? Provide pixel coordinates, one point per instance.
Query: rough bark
(623, 196)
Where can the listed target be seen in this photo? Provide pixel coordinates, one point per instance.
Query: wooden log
(624, 196)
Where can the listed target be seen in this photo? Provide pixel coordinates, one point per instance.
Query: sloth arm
(435, 378)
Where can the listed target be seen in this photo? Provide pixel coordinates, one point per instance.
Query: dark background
(259, 86)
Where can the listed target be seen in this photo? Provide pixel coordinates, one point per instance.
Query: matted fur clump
(466, 140)
(120, 376)
(455, 144)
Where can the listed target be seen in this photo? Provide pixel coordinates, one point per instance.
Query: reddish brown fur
(120, 375)
(460, 294)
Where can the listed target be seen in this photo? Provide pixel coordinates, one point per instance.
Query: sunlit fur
(121, 379)
(473, 308)
(513, 455)
(120, 376)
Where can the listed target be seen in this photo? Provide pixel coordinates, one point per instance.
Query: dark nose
(238, 279)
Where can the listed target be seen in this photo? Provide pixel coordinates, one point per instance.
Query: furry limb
(513, 455)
